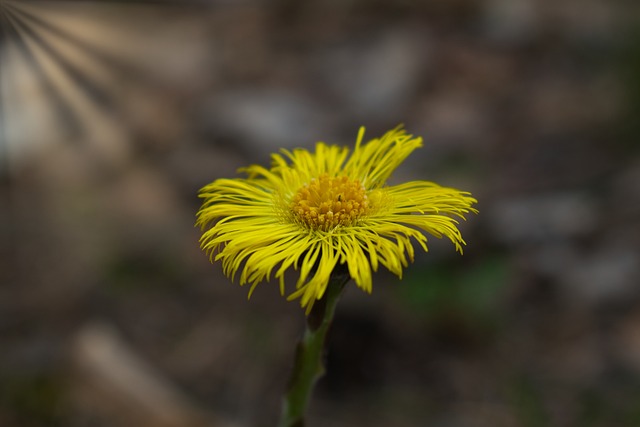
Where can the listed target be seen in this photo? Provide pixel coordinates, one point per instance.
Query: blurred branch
(129, 386)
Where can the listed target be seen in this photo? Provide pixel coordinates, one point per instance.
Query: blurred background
(113, 115)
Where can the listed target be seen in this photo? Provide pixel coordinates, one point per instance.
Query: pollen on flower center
(327, 202)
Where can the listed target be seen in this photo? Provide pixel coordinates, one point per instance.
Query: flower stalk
(309, 366)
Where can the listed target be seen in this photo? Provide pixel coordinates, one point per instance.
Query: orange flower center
(326, 202)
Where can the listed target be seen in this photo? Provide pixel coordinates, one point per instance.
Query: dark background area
(114, 114)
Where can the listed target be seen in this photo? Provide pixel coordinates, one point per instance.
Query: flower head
(316, 211)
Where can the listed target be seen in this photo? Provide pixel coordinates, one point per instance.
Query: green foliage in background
(473, 292)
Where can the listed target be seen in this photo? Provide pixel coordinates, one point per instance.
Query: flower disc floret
(326, 203)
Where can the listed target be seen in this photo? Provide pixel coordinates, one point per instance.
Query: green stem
(308, 366)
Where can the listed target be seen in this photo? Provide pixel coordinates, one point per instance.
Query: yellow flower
(315, 211)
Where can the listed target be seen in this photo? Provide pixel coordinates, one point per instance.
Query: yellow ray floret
(316, 210)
